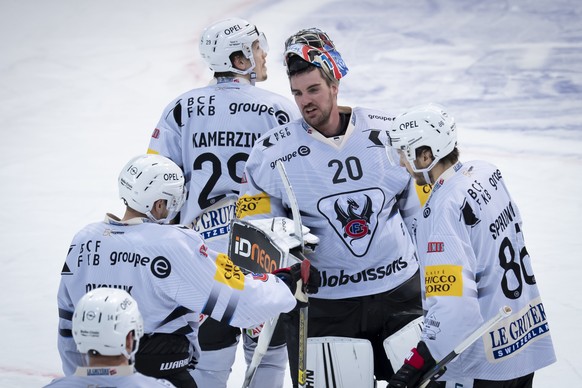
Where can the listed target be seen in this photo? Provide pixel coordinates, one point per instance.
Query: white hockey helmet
(148, 178)
(221, 39)
(424, 125)
(314, 46)
(102, 320)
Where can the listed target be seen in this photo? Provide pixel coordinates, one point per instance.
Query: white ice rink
(82, 85)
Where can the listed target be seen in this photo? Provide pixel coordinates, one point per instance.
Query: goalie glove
(281, 231)
(418, 362)
(300, 285)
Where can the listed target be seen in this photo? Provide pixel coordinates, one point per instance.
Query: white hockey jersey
(474, 261)
(349, 195)
(209, 133)
(110, 377)
(170, 272)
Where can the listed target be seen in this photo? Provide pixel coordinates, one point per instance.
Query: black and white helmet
(424, 125)
(103, 318)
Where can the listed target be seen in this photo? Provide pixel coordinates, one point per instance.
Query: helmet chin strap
(253, 78)
(151, 217)
(426, 170)
(164, 220)
(427, 178)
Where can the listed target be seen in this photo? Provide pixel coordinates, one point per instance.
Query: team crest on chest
(354, 217)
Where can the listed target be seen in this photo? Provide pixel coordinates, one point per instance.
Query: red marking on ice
(29, 372)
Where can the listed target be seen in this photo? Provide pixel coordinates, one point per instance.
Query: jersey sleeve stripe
(64, 314)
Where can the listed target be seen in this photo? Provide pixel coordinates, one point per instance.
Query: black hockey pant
(371, 317)
(165, 356)
(520, 382)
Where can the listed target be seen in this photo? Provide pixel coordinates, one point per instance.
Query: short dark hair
(452, 157)
(297, 65)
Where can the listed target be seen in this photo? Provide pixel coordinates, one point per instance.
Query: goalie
(361, 207)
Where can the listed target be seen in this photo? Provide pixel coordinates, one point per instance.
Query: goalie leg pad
(339, 362)
(398, 345)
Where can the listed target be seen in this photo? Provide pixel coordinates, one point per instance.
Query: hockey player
(169, 270)
(349, 196)
(209, 133)
(107, 326)
(473, 261)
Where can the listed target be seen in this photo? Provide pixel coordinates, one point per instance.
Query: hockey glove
(418, 362)
(299, 285)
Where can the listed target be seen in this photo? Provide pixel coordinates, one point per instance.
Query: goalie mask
(313, 46)
(148, 178)
(226, 37)
(102, 320)
(422, 126)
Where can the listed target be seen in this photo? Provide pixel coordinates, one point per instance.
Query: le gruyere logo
(228, 273)
(443, 280)
(249, 205)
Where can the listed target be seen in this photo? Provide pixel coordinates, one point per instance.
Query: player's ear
(239, 61)
(129, 342)
(426, 156)
(158, 208)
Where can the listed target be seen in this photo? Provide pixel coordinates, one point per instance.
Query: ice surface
(82, 85)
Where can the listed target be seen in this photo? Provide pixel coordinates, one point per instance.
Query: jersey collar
(112, 219)
(446, 175)
(224, 80)
(334, 141)
(112, 371)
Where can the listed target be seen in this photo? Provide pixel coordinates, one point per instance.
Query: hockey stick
(242, 231)
(293, 203)
(305, 265)
(504, 312)
(261, 349)
(269, 327)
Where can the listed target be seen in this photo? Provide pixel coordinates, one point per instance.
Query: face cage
(314, 46)
(311, 37)
(330, 61)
